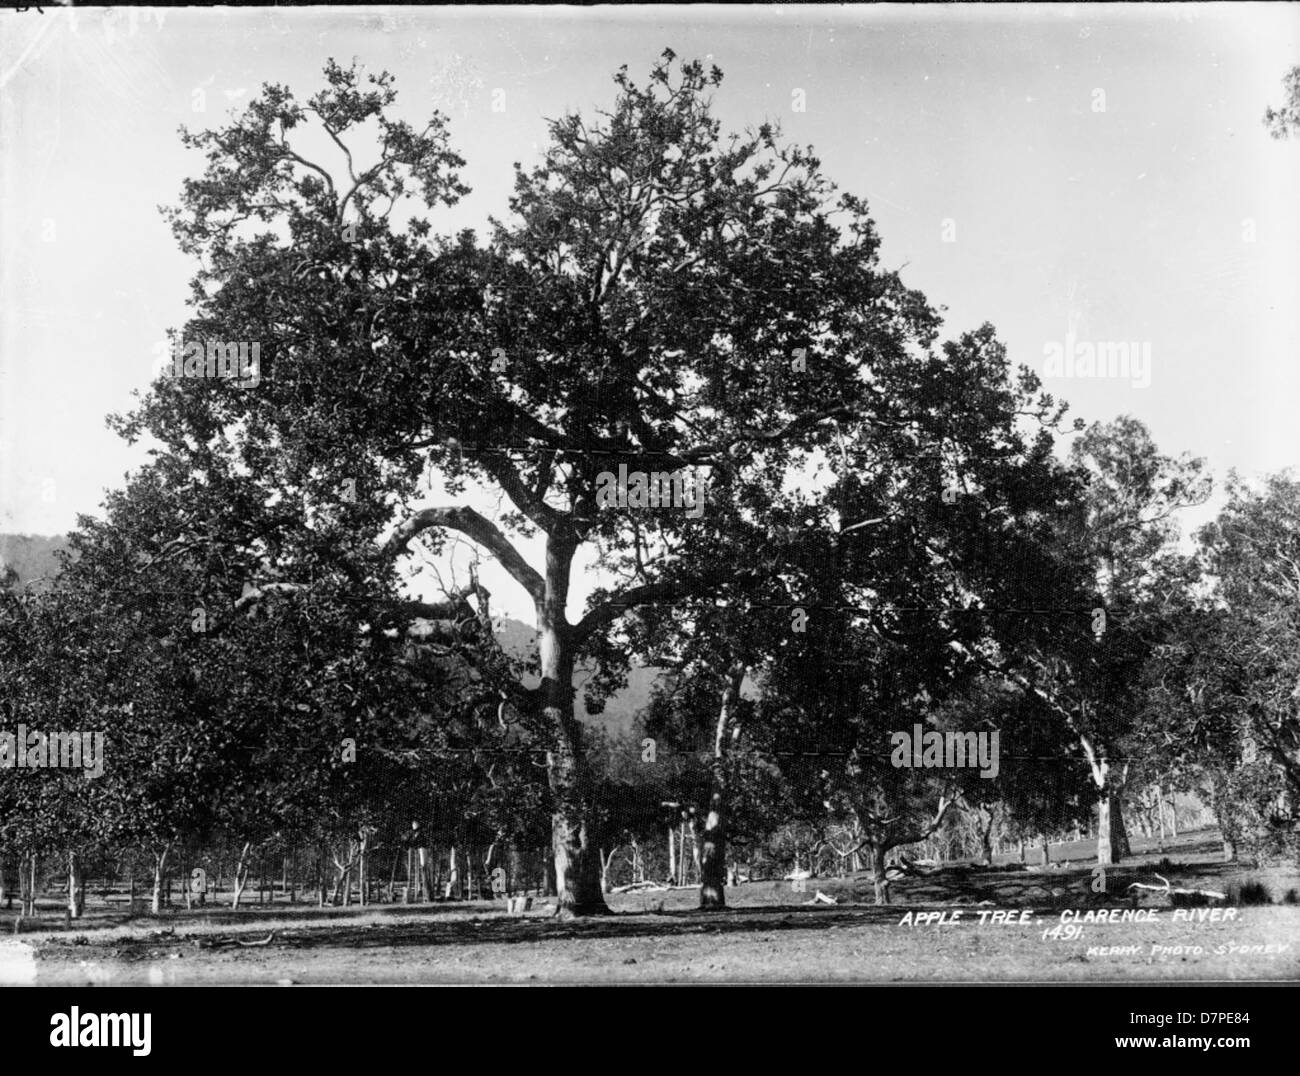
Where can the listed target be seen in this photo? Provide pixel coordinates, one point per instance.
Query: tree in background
(1282, 121)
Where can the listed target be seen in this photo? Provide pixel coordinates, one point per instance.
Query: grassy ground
(767, 935)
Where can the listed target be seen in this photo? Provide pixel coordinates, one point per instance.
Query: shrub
(1249, 893)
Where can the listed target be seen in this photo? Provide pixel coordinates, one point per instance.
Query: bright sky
(1069, 173)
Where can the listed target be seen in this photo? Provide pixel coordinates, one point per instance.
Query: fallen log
(1166, 889)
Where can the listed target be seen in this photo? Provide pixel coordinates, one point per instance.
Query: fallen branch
(635, 886)
(1168, 890)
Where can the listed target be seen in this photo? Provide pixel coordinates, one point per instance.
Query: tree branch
(481, 530)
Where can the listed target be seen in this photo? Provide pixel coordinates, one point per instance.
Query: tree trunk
(713, 859)
(1104, 851)
(1160, 811)
(74, 881)
(453, 874)
(159, 873)
(1047, 849)
(577, 861)
(361, 870)
(1112, 841)
(1116, 837)
(878, 855)
(548, 872)
(241, 875)
(1022, 849)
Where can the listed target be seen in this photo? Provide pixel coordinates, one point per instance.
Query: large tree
(663, 297)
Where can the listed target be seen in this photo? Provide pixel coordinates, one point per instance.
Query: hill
(520, 642)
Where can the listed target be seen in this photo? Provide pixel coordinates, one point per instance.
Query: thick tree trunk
(1047, 849)
(986, 843)
(1112, 841)
(159, 874)
(878, 854)
(1105, 856)
(577, 860)
(713, 858)
(1119, 831)
(453, 875)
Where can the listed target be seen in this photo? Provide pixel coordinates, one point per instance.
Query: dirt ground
(767, 935)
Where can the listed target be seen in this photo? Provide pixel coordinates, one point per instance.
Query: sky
(1073, 174)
